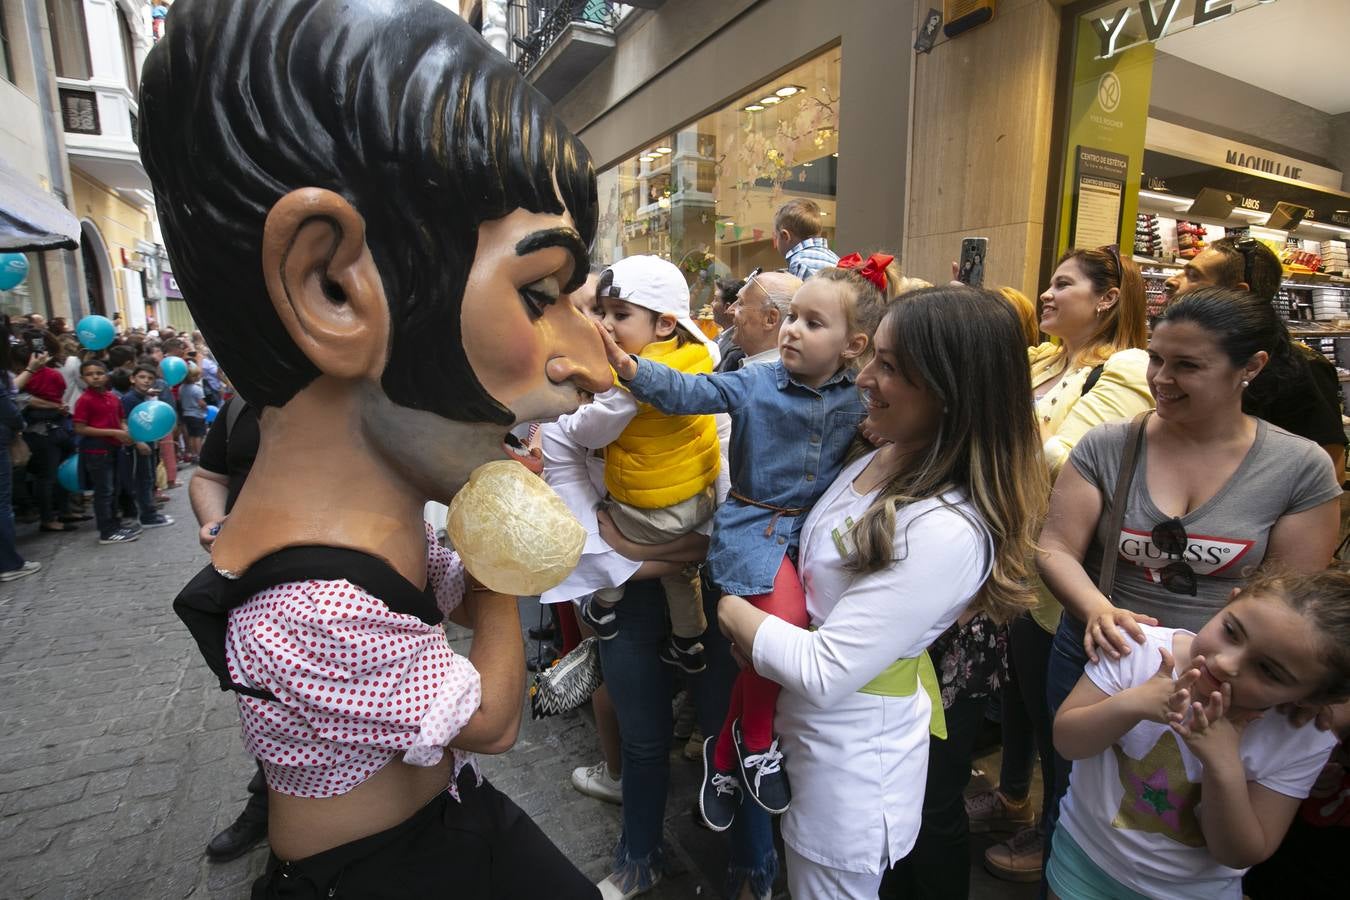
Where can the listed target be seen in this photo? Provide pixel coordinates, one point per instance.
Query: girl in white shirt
(1182, 778)
(935, 525)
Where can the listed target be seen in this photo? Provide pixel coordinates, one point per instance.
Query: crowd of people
(60, 401)
(864, 513)
(889, 453)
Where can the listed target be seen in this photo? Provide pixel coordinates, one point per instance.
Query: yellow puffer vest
(660, 460)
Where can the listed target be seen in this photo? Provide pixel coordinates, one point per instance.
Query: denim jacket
(788, 443)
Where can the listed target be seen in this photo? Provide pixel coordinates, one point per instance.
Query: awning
(30, 218)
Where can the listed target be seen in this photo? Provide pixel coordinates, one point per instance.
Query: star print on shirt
(1158, 797)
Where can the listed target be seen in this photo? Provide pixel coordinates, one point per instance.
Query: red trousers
(754, 697)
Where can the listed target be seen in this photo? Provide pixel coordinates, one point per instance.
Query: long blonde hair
(966, 345)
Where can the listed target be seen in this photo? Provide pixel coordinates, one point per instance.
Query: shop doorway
(98, 284)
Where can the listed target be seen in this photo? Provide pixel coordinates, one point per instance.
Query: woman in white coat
(934, 526)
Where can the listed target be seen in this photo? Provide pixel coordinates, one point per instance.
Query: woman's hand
(1103, 631)
(611, 535)
(624, 365)
(206, 535)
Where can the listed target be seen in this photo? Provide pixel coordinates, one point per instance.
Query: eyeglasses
(1246, 246)
(749, 280)
(606, 287)
(1177, 576)
(1114, 250)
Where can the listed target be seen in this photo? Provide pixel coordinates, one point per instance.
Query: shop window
(704, 195)
(31, 295)
(70, 38)
(79, 111)
(128, 51)
(1180, 134)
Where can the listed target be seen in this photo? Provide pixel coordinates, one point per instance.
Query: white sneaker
(595, 781)
(23, 571)
(612, 888)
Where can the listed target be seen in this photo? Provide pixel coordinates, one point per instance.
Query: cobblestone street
(120, 757)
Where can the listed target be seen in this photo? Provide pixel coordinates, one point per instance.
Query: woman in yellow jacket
(1095, 372)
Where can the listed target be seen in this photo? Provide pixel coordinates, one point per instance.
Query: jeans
(1028, 728)
(9, 554)
(640, 686)
(1067, 661)
(48, 451)
(138, 473)
(939, 864)
(100, 473)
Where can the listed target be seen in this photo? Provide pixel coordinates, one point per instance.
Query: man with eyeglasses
(1308, 405)
(759, 311)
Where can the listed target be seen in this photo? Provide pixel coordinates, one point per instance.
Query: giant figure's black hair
(401, 108)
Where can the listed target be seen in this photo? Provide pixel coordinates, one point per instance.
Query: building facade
(704, 115)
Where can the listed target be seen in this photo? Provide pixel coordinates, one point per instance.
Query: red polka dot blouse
(355, 683)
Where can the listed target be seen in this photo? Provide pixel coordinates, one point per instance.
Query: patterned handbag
(568, 683)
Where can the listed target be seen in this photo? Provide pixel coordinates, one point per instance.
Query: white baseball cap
(656, 284)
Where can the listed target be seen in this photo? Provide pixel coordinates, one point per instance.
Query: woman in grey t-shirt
(1215, 494)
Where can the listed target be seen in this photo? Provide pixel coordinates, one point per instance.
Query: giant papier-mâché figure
(375, 223)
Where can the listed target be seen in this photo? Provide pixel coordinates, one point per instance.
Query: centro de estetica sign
(1157, 23)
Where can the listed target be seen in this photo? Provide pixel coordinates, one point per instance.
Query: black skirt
(481, 846)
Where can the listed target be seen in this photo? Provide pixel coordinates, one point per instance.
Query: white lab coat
(857, 762)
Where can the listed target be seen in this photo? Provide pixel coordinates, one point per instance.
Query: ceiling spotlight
(835, 155)
(807, 165)
(663, 150)
(754, 107)
(771, 100)
(788, 91)
(647, 158)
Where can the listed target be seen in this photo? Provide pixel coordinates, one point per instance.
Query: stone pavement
(120, 757)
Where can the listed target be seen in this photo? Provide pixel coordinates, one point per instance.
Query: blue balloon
(68, 474)
(13, 270)
(150, 421)
(173, 370)
(95, 332)
(211, 413)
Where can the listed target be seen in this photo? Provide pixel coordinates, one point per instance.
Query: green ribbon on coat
(903, 677)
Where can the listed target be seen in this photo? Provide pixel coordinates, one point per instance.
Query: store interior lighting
(771, 100)
(663, 150)
(754, 107)
(789, 90)
(647, 158)
(1181, 204)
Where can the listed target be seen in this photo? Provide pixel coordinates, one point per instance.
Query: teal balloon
(95, 332)
(173, 370)
(68, 474)
(150, 421)
(211, 413)
(13, 270)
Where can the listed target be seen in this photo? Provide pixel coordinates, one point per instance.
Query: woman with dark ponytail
(1215, 495)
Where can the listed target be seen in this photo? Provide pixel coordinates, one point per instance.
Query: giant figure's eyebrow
(569, 240)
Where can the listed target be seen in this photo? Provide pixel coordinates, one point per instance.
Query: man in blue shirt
(796, 235)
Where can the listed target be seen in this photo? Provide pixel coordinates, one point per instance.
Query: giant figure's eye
(536, 300)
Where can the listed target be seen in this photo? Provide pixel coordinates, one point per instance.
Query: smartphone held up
(970, 270)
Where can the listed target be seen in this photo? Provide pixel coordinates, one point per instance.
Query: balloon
(68, 474)
(95, 332)
(150, 421)
(173, 370)
(13, 270)
(211, 413)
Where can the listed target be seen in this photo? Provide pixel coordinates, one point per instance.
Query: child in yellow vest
(660, 471)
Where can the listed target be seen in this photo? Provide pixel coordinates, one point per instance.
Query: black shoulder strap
(237, 406)
(1091, 381)
(204, 604)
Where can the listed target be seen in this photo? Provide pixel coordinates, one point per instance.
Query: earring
(1245, 383)
(1097, 313)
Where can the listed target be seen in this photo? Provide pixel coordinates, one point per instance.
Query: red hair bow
(874, 270)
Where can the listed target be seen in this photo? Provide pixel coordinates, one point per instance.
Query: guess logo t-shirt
(1226, 536)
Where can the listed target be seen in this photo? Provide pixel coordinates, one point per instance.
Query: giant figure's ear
(324, 284)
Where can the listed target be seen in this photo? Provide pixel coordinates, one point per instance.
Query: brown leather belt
(776, 510)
